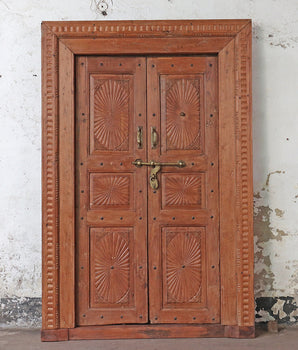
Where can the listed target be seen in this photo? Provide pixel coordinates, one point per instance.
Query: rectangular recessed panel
(185, 191)
(110, 190)
(181, 110)
(184, 272)
(110, 109)
(111, 267)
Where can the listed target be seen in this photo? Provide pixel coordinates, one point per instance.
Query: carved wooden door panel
(183, 232)
(111, 193)
(154, 109)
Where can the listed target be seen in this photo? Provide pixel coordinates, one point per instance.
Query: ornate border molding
(244, 182)
(50, 204)
(147, 28)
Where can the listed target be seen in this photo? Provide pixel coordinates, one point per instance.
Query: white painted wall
(275, 108)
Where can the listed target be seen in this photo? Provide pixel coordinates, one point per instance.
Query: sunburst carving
(109, 190)
(111, 268)
(181, 190)
(184, 268)
(183, 115)
(111, 112)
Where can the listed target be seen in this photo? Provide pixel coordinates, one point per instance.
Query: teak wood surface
(221, 52)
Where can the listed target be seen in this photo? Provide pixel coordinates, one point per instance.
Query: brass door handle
(154, 137)
(156, 166)
(140, 137)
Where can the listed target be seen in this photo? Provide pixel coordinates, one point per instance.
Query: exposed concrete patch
(277, 309)
(262, 226)
(279, 212)
(280, 233)
(281, 309)
(20, 312)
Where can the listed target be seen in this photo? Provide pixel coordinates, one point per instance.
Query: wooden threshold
(148, 331)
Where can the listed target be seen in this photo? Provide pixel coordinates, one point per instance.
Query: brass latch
(155, 169)
(140, 137)
(154, 137)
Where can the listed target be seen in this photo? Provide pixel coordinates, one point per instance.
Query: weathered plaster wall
(275, 86)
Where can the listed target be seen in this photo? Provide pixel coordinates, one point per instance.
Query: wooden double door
(147, 244)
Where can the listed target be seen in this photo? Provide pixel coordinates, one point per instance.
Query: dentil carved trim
(150, 28)
(50, 183)
(244, 183)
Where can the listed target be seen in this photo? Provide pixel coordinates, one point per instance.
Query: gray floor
(30, 339)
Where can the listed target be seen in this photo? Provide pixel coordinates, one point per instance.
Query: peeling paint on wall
(275, 273)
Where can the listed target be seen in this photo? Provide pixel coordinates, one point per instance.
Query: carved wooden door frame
(230, 41)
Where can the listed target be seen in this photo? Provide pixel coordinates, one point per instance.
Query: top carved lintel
(162, 28)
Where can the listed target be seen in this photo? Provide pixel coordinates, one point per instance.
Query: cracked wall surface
(275, 123)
